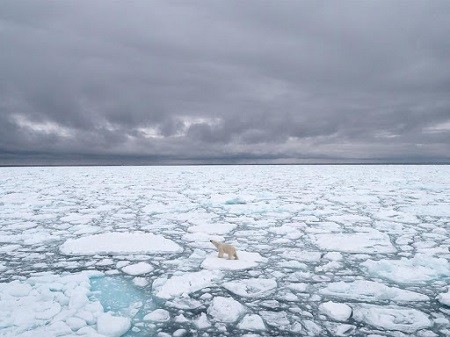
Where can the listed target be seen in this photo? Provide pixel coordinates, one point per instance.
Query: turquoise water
(120, 296)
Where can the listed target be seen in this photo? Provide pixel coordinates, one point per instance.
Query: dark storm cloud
(216, 81)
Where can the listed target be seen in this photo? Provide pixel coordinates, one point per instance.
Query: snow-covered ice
(184, 284)
(225, 309)
(138, 268)
(246, 260)
(369, 241)
(112, 326)
(337, 311)
(119, 243)
(252, 322)
(392, 317)
(420, 268)
(370, 291)
(253, 287)
(158, 315)
(444, 298)
(323, 251)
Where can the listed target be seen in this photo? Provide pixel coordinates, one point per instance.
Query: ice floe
(370, 291)
(394, 318)
(184, 284)
(337, 311)
(370, 241)
(444, 298)
(119, 243)
(252, 323)
(112, 326)
(225, 309)
(254, 287)
(246, 260)
(138, 268)
(158, 315)
(420, 268)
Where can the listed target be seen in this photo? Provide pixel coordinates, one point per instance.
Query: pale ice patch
(231, 199)
(338, 311)
(184, 284)
(112, 326)
(441, 210)
(253, 287)
(201, 240)
(247, 260)
(202, 321)
(395, 318)
(225, 309)
(396, 216)
(252, 323)
(216, 228)
(278, 319)
(370, 241)
(158, 315)
(420, 268)
(119, 243)
(299, 255)
(139, 268)
(370, 291)
(444, 298)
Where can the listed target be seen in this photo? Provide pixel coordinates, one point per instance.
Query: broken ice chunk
(225, 309)
(337, 311)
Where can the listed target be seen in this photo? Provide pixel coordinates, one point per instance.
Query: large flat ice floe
(394, 318)
(421, 268)
(119, 243)
(184, 284)
(370, 291)
(370, 241)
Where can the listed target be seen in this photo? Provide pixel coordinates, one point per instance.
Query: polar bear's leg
(235, 256)
(220, 252)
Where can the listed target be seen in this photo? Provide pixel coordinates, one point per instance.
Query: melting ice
(323, 251)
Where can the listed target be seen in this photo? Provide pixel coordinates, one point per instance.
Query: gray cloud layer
(224, 81)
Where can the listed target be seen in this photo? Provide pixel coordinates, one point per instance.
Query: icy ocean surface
(323, 251)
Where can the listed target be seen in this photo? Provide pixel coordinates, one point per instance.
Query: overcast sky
(224, 81)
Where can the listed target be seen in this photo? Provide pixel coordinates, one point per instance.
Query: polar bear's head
(215, 243)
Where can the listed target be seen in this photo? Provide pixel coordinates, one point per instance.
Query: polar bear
(225, 248)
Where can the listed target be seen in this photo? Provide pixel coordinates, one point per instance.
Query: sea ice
(216, 228)
(337, 311)
(112, 326)
(252, 323)
(119, 243)
(184, 284)
(368, 241)
(444, 298)
(420, 268)
(47, 305)
(225, 309)
(158, 315)
(391, 317)
(352, 234)
(138, 269)
(370, 291)
(254, 287)
(246, 260)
